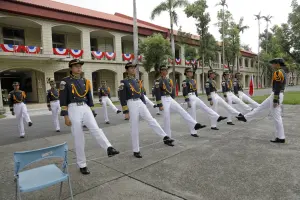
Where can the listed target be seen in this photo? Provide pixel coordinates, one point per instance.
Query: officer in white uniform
(214, 99)
(104, 99)
(76, 106)
(134, 105)
(148, 101)
(273, 102)
(227, 88)
(153, 95)
(238, 91)
(17, 107)
(165, 94)
(53, 104)
(189, 91)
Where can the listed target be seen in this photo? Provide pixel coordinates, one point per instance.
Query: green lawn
(291, 98)
(2, 116)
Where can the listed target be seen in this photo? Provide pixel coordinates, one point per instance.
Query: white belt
(54, 101)
(18, 103)
(192, 93)
(134, 99)
(77, 104)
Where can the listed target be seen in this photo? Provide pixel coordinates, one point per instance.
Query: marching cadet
(227, 87)
(214, 99)
(76, 106)
(147, 100)
(189, 91)
(104, 99)
(133, 104)
(17, 107)
(165, 94)
(153, 95)
(273, 102)
(53, 104)
(238, 91)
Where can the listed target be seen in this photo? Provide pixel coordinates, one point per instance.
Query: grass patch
(290, 98)
(2, 116)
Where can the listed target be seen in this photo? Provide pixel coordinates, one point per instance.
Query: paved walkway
(236, 162)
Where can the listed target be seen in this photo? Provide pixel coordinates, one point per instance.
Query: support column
(182, 52)
(146, 82)
(46, 35)
(1, 36)
(88, 75)
(199, 83)
(119, 77)
(220, 59)
(243, 62)
(118, 47)
(2, 110)
(86, 44)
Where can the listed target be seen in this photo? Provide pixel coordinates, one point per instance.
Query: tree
(246, 47)
(268, 20)
(135, 39)
(156, 50)
(170, 7)
(241, 28)
(258, 17)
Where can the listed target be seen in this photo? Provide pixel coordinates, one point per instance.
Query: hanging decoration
(178, 61)
(76, 53)
(98, 54)
(32, 49)
(127, 56)
(60, 51)
(110, 55)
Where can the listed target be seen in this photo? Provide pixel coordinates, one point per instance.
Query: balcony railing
(9, 48)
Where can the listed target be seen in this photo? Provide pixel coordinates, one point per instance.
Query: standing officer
(238, 91)
(17, 107)
(153, 95)
(133, 102)
(214, 99)
(165, 94)
(76, 106)
(189, 91)
(227, 87)
(147, 100)
(104, 99)
(53, 104)
(273, 102)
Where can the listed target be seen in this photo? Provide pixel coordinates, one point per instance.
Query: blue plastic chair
(44, 176)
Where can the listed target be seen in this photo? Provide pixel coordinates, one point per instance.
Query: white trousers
(195, 101)
(168, 104)
(105, 101)
(240, 105)
(150, 103)
(247, 99)
(229, 109)
(55, 109)
(80, 115)
(137, 108)
(21, 113)
(275, 113)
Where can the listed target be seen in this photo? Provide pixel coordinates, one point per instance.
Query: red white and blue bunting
(110, 55)
(140, 57)
(193, 62)
(187, 62)
(60, 51)
(127, 56)
(76, 53)
(11, 48)
(178, 61)
(98, 54)
(32, 49)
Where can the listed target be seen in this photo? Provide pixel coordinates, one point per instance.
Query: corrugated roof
(83, 11)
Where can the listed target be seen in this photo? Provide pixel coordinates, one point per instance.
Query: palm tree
(135, 39)
(170, 6)
(258, 18)
(268, 20)
(223, 3)
(241, 28)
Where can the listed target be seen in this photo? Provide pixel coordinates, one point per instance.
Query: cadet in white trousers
(53, 104)
(104, 99)
(238, 91)
(273, 102)
(227, 88)
(76, 106)
(17, 107)
(214, 99)
(148, 101)
(133, 105)
(165, 94)
(189, 91)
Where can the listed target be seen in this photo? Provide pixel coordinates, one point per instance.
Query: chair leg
(71, 192)
(60, 190)
(18, 193)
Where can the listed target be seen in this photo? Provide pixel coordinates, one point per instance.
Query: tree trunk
(173, 49)
(135, 40)
(267, 37)
(238, 64)
(223, 35)
(202, 82)
(258, 67)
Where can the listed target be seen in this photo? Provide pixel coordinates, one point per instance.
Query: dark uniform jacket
(210, 86)
(279, 81)
(52, 95)
(74, 90)
(130, 88)
(189, 86)
(226, 87)
(163, 87)
(103, 91)
(237, 86)
(16, 97)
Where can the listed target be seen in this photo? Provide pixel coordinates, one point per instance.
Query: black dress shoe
(126, 119)
(84, 126)
(214, 128)
(199, 126)
(119, 111)
(57, 131)
(230, 123)
(277, 140)
(194, 135)
(22, 136)
(107, 123)
(112, 151)
(137, 154)
(29, 123)
(168, 141)
(84, 171)
(154, 106)
(221, 118)
(241, 118)
(157, 113)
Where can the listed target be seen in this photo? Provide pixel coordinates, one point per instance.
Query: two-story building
(39, 37)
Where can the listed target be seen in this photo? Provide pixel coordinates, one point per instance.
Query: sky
(238, 8)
